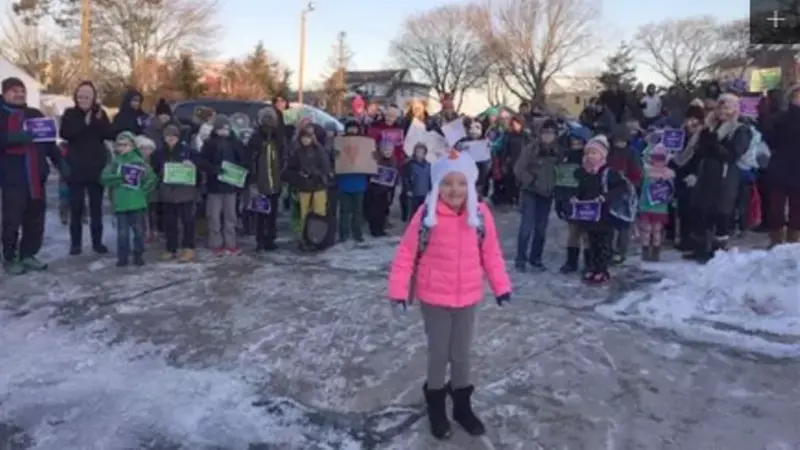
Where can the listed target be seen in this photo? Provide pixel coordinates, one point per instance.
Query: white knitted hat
(464, 164)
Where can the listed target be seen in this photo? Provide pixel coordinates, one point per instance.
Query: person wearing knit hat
(597, 188)
(131, 117)
(623, 159)
(565, 189)
(448, 246)
(129, 179)
(23, 171)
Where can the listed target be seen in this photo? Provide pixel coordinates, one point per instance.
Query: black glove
(399, 305)
(503, 298)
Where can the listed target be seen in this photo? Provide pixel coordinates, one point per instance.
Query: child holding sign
(657, 192)
(129, 179)
(591, 206)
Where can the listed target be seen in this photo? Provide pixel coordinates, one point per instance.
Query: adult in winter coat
(23, 171)
(130, 116)
(85, 128)
(267, 150)
(685, 166)
(719, 147)
(615, 100)
(782, 174)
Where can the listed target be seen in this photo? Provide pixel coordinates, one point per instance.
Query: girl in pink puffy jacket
(448, 246)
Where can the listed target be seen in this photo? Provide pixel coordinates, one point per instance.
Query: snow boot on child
(571, 265)
(462, 411)
(436, 400)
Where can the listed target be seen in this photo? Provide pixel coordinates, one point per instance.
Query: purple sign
(586, 210)
(748, 107)
(659, 192)
(672, 139)
(43, 129)
(387, 176)
(260, 204)
(131, 175)
(738, 85)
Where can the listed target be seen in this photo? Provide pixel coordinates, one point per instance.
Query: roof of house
(374, 76)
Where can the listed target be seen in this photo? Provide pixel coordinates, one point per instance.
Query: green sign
(180, 173)
(565, 175)
(232, 174)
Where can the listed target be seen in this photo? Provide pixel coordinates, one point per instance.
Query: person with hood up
(221, 212)
(129, 199)
(598, 184)
(177, 200)
(378, 197)
(131, 117)
(685, 165)
(623, 159)
(515, 139)
(651, 106)
(351, 190)
(85, 127)
(24, 172)
(268, 152)
(566, 188)
(417, 177)
(782, 177)
(536, 172)
(716, 184)
(309, 171)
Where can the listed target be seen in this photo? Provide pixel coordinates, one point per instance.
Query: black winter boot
(572, 260)
(462, 411)
(437, 415)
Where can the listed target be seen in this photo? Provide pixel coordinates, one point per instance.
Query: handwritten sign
(672, 139)
(479, 150)
(42, 129)
(260, 204)
(586, 210)
(387, 176)
(659, 192)
(131, 175)
(748, 107)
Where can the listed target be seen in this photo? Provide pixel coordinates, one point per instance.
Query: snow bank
(747, 300)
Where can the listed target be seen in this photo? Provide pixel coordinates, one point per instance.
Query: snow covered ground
(302, 352)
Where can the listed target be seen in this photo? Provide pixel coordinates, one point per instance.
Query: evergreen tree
(187, 78)
(620, 69)
(335, 86)
(264, 79)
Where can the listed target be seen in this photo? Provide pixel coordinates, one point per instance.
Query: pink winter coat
(450, 272)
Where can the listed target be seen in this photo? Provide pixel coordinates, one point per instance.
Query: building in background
(393, 86)
(569, 94)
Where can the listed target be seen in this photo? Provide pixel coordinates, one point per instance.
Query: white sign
(454, 131)
(479, 150)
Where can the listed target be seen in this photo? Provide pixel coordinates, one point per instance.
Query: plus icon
(775, 19)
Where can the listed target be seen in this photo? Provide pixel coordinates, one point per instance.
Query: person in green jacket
(130, 179)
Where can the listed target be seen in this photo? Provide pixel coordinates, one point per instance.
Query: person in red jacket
(622, 159)
(389, 134)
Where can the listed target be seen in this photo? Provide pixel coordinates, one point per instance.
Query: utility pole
(302, 66)
(86, 44)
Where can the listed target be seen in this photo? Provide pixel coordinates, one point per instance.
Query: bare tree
(335, 85)
(734, 43)
(531, 41)
(441, 45)
(27, 46)
(680, 50)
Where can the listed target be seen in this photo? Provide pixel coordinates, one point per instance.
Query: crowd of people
(608, 175)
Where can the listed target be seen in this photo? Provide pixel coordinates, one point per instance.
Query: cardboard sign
(180, 174)
(132, 175)
(260, 204)
(232, 174)
(386, 176)
(42, 129)
(672, 139)
(355, 154)
(748, 107)
(586, 210)
(659, 192)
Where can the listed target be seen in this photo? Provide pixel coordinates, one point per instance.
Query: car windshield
(184, 111)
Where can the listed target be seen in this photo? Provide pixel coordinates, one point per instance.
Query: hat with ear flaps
(459, 162)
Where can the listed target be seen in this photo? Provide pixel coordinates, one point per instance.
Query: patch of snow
(67, 390)
(747, 300)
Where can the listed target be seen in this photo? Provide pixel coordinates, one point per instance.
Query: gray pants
(622, 240)
(449, 332)
(222, 216)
